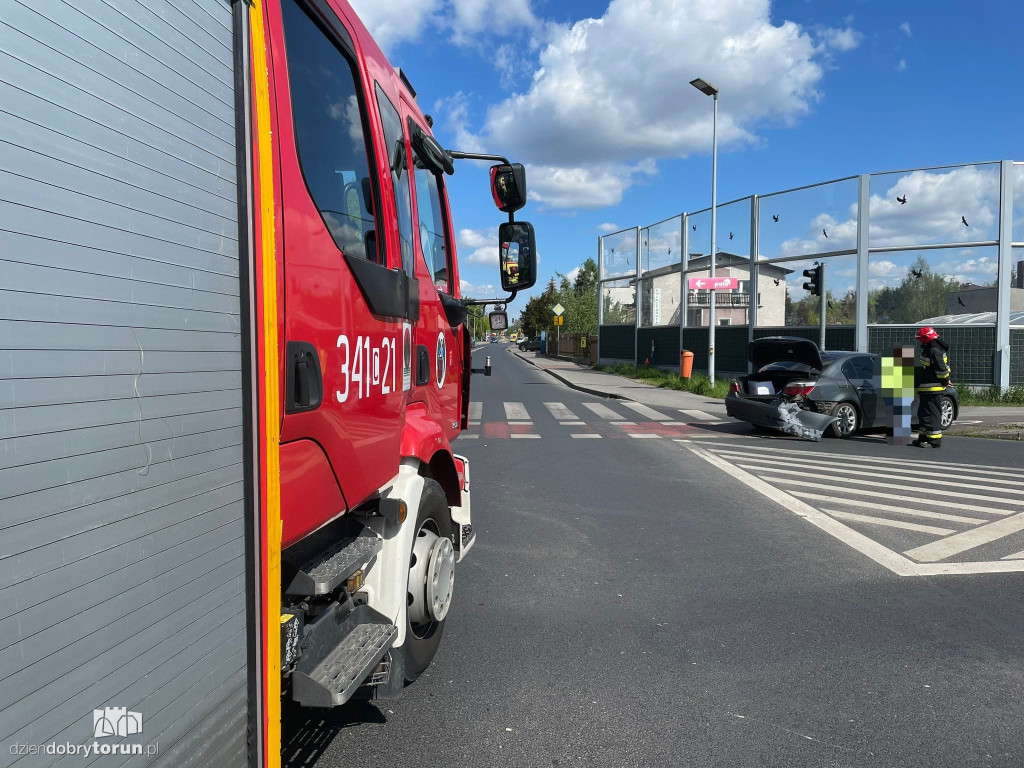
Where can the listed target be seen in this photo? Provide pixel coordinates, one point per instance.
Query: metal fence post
(684, 250)
(755, 210)
(863, 243)
(1001, 374)
(636, 300)
(600, 285)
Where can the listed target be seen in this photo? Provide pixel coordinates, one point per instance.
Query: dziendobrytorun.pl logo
(106, 722)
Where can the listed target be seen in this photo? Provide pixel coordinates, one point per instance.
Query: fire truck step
(333, 681)
(325, 571)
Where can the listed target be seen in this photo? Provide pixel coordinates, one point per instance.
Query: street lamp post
(709, 90)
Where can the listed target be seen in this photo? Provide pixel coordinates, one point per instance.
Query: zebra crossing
(591, 420)
(914, 516)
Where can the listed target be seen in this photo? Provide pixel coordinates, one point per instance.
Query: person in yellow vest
(932, 375)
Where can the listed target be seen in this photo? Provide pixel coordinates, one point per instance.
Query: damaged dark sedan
(802, 390)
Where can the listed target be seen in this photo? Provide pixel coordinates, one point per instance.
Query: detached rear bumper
(778, 414)
(462, 519)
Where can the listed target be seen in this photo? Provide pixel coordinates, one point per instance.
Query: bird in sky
(694, 227)
(902, 200)
(963, 220)
(730, 235)
(775, 218)
(776, 281)
(915, 272)
(824, 233)
(960, 301)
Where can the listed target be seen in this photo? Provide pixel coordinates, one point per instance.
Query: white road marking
(961, 542)
(860, 542)
(521, 423)
(644, 436)
(466, 436)
(920, 490)
(516, 411)
(602, 411)
(894, 496)
(699, 415)
(995, 471)
(861, 504)
(476, 411)
(835, 467)
(585, 436)
(573, 423)
(644, 410)
(1015, 556)
(519, 436)
(889, 523)
(622, 423)
(670, 423)
(560, 412)
(474, 423)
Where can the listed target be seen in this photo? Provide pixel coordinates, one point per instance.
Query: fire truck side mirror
(430, 152)
(508, 186)
(498, 320)
(516, 255)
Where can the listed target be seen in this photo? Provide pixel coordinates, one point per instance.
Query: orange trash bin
(685, 363)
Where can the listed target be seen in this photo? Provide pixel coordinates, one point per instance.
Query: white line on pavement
(643, 410)
(889, 523)
(476, 411)
(1015, 556)
(519, 436)
(961, 542)
(465, 436)
(585, 436)
(862, 504)
(858, 541)
(622, 423)
(573, 423)
(516, 411)
(894, 496)
(897, 473)
(644, 436)
(920, 490)
(603, 411)
(699, 415)
(996, 471)
(521, 423)
(561, 412)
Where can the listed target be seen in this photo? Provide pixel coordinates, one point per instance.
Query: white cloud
(469, 18)
(478, 291)
(478, 246)
(396, 20)
(901, 65)
(609, 94)
(905, 29)
(608, 227)
(841, 40)
(573, 273)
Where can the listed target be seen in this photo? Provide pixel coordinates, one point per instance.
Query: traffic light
(815, 279)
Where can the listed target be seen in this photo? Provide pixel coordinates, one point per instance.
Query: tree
(920, 295)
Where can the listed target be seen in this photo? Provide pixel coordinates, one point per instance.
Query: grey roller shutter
(122, 486)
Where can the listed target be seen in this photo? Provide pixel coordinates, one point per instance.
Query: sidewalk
(972, 419)
(604, 384)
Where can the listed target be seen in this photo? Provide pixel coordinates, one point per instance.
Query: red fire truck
(235, 359)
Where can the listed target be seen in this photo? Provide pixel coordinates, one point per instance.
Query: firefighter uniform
(932, 379)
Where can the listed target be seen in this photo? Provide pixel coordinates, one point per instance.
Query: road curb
(571, 385)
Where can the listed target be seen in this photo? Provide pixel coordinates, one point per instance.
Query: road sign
(558, 309)
(559, 319)
(718, 284)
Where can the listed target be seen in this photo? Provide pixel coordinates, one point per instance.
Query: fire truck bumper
(462, 520)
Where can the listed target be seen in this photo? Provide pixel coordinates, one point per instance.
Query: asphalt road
(671, 601)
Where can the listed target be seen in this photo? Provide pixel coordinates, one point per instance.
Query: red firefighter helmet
(926, 334)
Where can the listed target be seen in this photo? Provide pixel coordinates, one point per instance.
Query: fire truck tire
(431, 579)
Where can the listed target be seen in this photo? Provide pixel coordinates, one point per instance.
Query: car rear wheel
(847, 421)
(946, 410)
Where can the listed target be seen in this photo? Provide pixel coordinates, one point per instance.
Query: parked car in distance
(844, 385)
(530, 345)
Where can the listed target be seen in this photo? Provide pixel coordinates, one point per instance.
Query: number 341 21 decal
(367, 369)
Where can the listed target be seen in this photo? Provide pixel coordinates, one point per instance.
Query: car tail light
(734, 386)
(798, 388)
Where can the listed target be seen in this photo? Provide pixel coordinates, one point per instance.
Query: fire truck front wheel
(431, 580)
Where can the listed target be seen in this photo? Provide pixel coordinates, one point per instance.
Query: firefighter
(932, 380)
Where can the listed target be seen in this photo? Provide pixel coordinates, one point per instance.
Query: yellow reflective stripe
(930, 389)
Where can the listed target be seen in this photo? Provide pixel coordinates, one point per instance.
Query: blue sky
(594, 98)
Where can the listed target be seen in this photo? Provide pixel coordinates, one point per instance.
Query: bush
(989, 395)
(698, 384)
